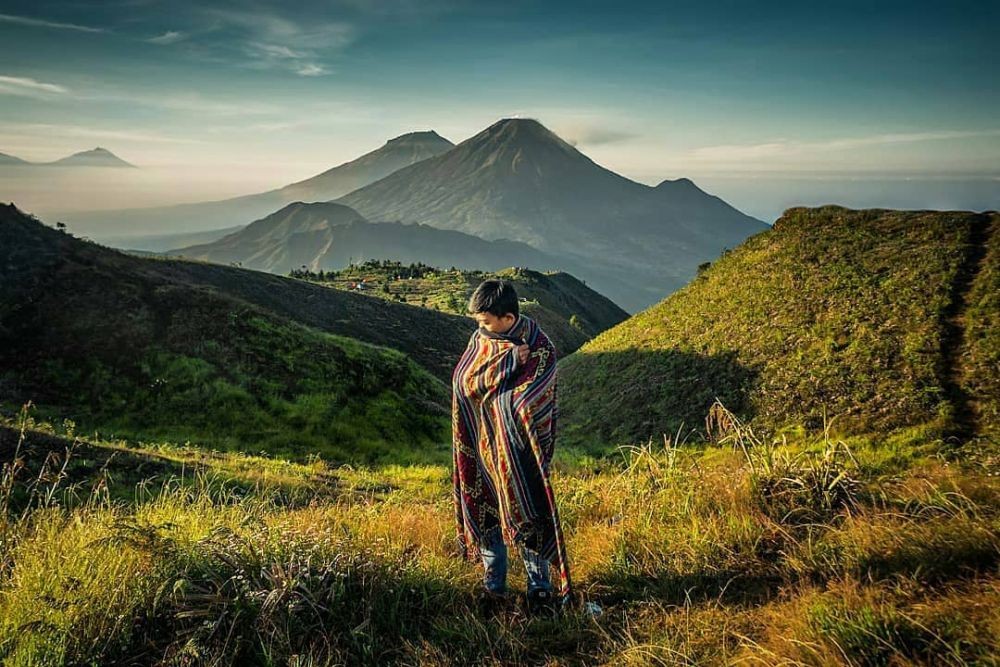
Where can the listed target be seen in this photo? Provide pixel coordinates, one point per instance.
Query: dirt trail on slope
(953, 335)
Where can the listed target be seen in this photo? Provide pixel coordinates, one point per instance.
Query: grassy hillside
(862, 314)
(980, 343)
(569, 311)
(177, 350)
(815, 552)
(772, 545)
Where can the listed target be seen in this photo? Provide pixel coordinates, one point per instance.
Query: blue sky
(652, 90)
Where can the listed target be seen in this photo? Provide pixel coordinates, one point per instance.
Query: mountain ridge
(327, 235)
(196, 217)
(95, 157)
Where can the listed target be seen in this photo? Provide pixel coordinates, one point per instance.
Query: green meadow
(753, 549)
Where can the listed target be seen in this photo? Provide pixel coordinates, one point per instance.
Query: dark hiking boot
(491, 602)
(541, 602)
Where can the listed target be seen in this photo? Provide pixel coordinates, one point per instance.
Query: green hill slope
(980, 343)
(570, 312)
(869, 315)
(232, 358)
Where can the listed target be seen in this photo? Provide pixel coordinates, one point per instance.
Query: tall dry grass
(751, 550)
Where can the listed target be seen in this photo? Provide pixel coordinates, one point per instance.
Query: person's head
(494, 305)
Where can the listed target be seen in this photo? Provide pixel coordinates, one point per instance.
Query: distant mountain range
(96, 157)
(159, 243)
(518, 180)
(326, 235)
(214, 217)
(515, 182)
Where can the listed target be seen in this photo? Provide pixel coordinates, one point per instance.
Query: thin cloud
(273, 51)
(786, 147)
(79, 131)
(271, 41)
(595, 136)
(27, 87)
(42, 23)
(169, 37)
(270, 28)
(188, 101)
(312, 69)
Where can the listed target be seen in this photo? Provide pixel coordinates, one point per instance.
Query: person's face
(495, 324)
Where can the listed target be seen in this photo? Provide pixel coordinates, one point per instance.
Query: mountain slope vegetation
(832, 312)
(567, 310)
(237, 359)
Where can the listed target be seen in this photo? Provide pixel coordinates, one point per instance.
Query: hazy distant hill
(570, 312)
(515, 180)
(205, 216)
(158, 243)
(96, 157)
(226, 356)
(518, 180)
(885, 319)
(12, 161)
(330, 236)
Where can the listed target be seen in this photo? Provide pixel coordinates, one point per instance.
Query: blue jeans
(495, 567)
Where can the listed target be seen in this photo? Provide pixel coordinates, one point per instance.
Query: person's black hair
(494, 296)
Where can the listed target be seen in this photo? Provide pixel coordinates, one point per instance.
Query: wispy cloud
(273, 51)
(197, 103)
(27, 87)
(83, 132)
(591, 135)
(169, 37)
(187, 101)
(273, 41)
(787, 148)
(311, 69)
(181, 100)
(42, 23)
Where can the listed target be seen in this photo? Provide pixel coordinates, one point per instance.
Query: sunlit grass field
(749, 550)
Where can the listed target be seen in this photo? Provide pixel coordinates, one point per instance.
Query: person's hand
(522, 353)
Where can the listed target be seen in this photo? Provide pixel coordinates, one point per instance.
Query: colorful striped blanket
(503, 432)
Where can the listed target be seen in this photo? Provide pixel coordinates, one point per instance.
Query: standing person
(503, 434)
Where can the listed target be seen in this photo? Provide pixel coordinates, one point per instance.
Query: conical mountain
(516, 179)
(396, 153)
(96, 157)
